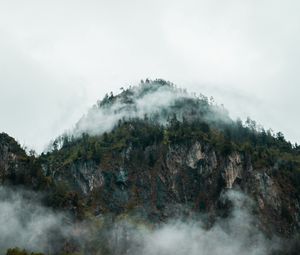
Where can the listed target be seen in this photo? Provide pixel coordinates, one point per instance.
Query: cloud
(103, 119)
(25, 223)
(150, 99)
(237, 234)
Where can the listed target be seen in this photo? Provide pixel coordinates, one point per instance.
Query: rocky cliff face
(15, 166)
(8, 157)
(163, 180)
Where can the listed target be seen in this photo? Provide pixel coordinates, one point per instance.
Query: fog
(25, 223)
(239, 233)
(102, 119)
(147, 100)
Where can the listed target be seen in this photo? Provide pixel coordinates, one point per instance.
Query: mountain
(154, 153)
(16, 167)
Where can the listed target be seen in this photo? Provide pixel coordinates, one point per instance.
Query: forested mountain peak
(156, 100)
(154, 153)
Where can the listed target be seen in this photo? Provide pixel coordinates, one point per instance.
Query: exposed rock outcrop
(192, 176)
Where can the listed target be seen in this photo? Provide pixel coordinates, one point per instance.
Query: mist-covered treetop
(157, 111)
(157, 100)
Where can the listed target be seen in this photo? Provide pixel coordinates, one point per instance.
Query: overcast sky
(58, 57)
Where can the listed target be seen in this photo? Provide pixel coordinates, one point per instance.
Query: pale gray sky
(58, 57)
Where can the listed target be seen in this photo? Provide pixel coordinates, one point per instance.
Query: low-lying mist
(237, 234)
(25, 223)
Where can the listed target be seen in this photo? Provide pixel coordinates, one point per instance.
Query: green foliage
(17, 251)
(12, 145)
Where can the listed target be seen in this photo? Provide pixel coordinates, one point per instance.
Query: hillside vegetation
(155, 152)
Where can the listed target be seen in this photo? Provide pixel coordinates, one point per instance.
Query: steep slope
(16, 167)
(179, 157)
